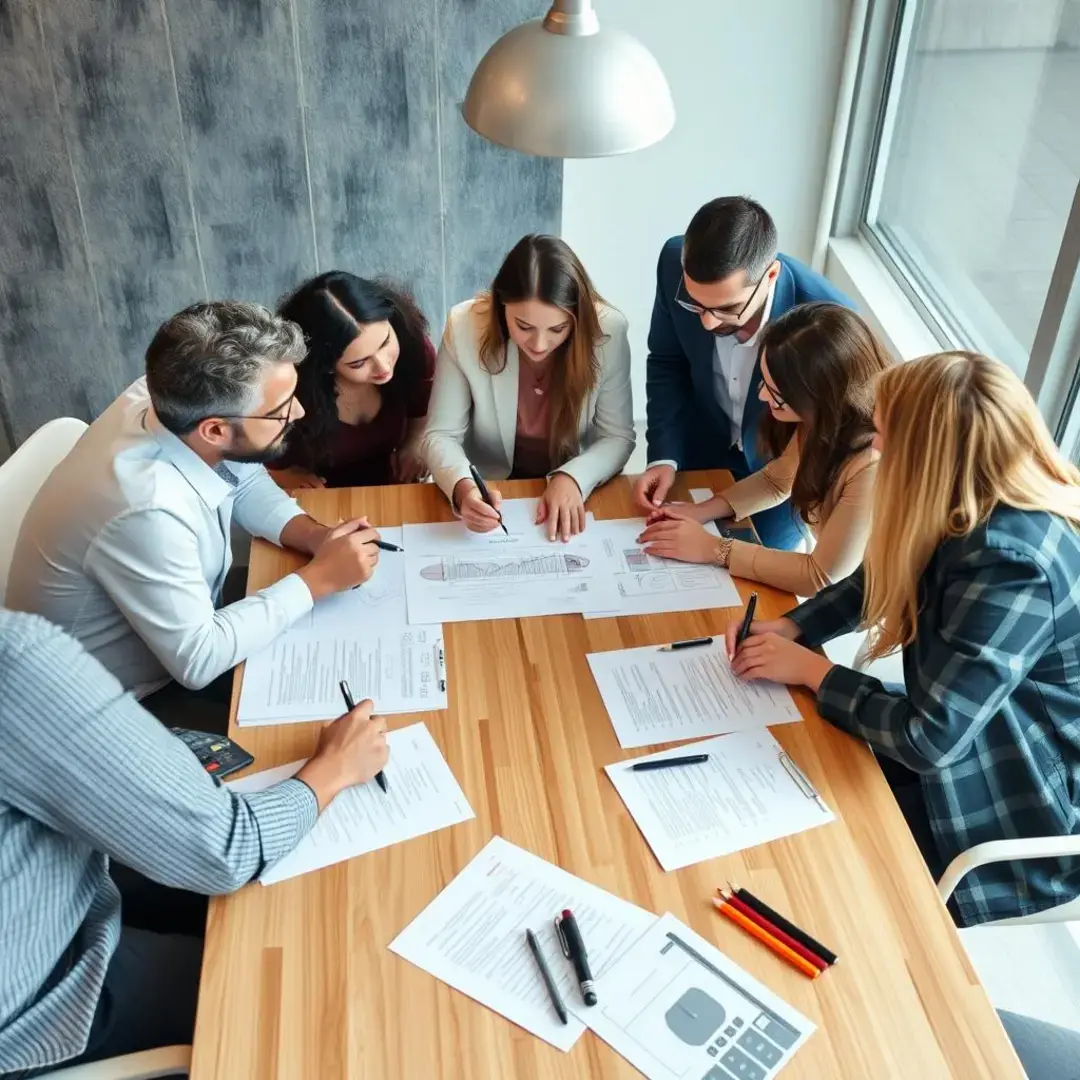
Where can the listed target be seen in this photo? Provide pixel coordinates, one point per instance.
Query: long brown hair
(823, 360)
(544, 268)
(960, 436)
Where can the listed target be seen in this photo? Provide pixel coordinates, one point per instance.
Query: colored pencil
(797, 947)
(766, 939)
(789, 928)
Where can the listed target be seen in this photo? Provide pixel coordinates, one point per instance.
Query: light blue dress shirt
(127, 546)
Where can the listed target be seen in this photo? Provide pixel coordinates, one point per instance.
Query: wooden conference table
(298, 984)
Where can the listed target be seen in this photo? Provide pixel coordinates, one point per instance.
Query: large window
(971, 195)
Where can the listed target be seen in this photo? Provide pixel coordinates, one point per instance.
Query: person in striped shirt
(87, 775)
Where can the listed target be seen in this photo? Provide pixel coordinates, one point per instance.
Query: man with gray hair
(127, 545)
(716, 287)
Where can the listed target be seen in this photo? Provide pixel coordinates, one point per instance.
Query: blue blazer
(685, 423)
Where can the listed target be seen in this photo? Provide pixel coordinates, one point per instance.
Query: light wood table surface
(298, 983)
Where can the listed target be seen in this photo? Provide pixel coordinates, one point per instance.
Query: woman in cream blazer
(819, 365)
(532, 381)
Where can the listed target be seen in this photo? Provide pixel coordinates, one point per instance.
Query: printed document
(678, 1009)
(654, 696)
(646, 584)
(422, 796)
(748, 793)
(472, 936)
(453, 575)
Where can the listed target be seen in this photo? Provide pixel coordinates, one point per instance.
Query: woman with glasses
(364, 385)
(819, 362)
(971, 572)
(532, 382)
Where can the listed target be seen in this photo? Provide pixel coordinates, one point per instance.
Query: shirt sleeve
(148, 562)
(768, 487)
(81, 756)
(260, 507)
(840, 546)
(995, 619)
(834, 611)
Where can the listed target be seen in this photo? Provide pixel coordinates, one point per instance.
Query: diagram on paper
(544, 564)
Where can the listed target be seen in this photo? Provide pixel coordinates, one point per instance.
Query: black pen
(669, 762)
(545, 974)
(478, 480)
(692, 643)
(744, 630)
(384, 545)
(573, 948)
(346, 693)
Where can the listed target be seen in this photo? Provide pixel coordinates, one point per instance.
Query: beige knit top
(841, 526)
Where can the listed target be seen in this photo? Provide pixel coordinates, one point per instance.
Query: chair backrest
(22, 475)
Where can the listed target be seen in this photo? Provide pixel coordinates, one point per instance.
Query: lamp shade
(551, 92)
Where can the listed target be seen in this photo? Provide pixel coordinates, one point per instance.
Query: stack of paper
(653, 696)
(472, 936)
(361, 636)
(422, 796)
(453, 575)
(748, 793)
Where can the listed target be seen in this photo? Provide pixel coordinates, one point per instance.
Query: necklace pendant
(537, 391)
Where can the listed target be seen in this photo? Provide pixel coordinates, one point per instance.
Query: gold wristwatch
(723, 551)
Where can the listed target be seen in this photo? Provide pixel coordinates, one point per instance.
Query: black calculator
(218, 755)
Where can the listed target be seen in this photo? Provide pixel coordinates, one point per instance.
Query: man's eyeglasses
(274, 414)
(774, 397)
(721, 315)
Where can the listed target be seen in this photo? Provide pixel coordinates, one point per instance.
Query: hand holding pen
(350, 704)
(478, 504)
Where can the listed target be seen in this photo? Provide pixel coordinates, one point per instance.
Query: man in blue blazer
(716, 287)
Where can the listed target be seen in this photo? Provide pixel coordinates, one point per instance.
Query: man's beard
(264, 456)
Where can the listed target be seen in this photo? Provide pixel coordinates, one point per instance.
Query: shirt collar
(210, 487)
(751, 342)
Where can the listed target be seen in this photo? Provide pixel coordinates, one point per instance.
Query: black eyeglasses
(774, 397)
(272, 415)
(719, 314)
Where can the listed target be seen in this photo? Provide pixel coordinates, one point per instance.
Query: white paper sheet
(361, 636)
(678, 1009)
(422, 796)
(654, 696)
(748, 793)
(453, 575)
(472, 936)
(646, 584)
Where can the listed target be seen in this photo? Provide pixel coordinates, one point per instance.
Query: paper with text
(453, 575)
(422, 796)
(654, 696)
(472, 936)
(646, 584)
(678, 1009)
(748, 793)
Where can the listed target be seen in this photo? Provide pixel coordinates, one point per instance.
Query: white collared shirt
(733, 370)
(126, 547)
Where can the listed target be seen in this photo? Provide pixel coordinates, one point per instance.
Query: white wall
(755, 87)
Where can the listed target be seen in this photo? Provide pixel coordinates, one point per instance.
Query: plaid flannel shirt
(991, 716)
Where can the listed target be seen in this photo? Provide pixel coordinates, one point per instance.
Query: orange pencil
(778, 947)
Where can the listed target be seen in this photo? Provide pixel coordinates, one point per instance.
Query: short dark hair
(727, 235)
(209, 360)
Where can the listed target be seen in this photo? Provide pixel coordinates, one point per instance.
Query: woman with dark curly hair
(364, 385)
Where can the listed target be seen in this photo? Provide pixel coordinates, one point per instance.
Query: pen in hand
(346, 693)
(748, 621)
(478, 480)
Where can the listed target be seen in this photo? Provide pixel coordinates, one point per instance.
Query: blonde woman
(818, 362)
(532, 382)
(972, 569)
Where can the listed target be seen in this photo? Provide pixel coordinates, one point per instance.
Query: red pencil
(772, 928)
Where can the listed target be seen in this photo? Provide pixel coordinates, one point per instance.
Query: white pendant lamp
(562, 87)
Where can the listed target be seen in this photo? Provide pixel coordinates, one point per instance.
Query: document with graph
(646, 585)
(453, 575)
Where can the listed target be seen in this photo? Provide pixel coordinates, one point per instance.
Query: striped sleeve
(85, 759)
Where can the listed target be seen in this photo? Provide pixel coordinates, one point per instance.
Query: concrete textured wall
(155, 152)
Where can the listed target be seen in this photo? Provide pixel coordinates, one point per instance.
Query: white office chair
(22, 475)
(1040, 847)
(147, 1065)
